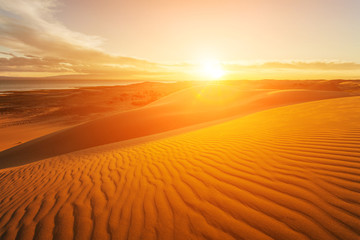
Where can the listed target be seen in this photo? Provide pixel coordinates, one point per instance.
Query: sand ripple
(287, 173)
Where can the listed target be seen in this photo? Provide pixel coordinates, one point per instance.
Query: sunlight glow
(212, 69)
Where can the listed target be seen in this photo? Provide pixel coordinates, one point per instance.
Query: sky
(161, 39)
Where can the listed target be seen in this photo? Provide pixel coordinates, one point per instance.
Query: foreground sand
(287, 173)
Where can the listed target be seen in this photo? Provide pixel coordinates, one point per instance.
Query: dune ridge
(184, 108)
(286, 173)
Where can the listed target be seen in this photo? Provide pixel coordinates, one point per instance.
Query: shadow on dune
(184, 108)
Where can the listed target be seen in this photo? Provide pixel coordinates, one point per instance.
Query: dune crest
(285, 173)
(184, 108)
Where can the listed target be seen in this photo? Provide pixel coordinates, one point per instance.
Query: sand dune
(26, 115)
(181, 109)
(286, 173)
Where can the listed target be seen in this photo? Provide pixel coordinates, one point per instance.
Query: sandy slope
(186, 107)
(25, 115)
(287, 173)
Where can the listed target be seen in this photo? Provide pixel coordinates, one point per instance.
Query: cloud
(27, 64)
(36, 17)
(33, 64)
(29, 28)
(323, 65)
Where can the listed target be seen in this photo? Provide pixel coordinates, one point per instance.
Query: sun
(211, 69)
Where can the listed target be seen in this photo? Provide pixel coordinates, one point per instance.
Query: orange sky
(158, 39)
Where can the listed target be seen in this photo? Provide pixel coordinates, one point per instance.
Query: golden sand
(286, 173)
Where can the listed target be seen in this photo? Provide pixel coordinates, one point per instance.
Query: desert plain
(185, 160)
